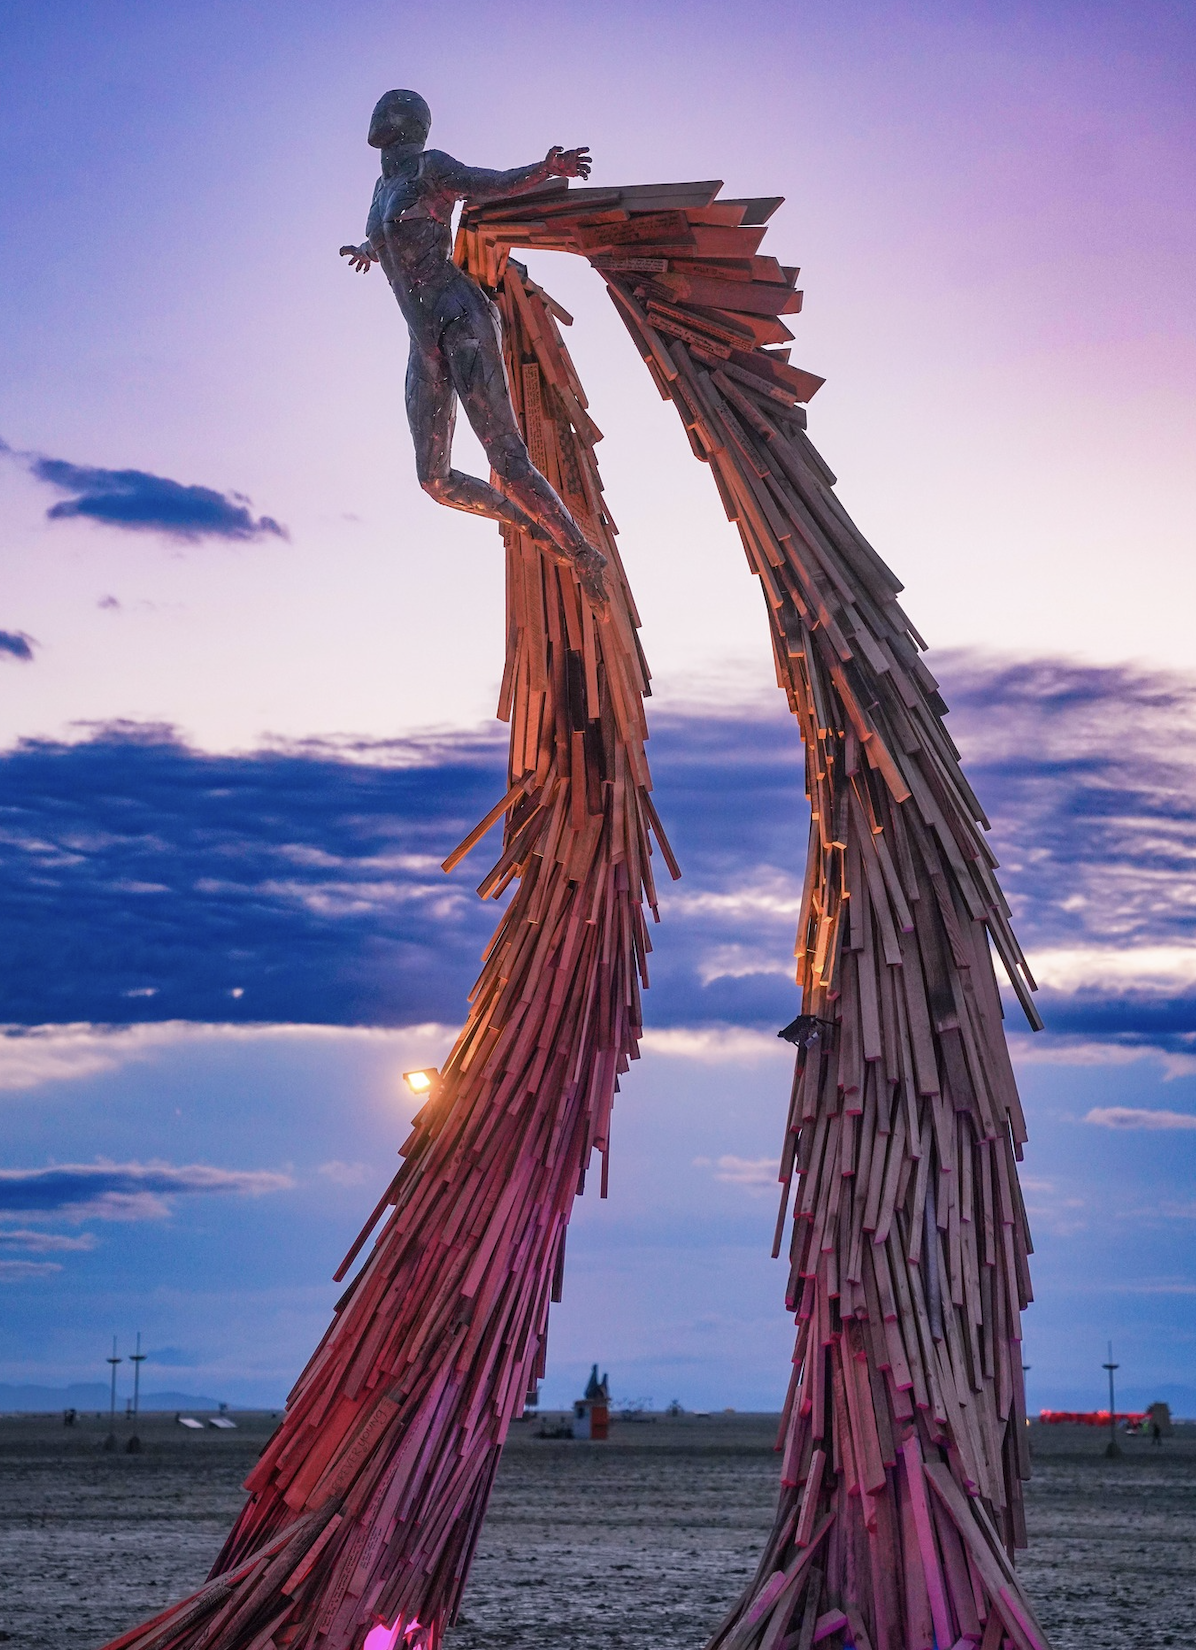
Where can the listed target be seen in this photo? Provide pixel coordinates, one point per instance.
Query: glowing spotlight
(422, 1081)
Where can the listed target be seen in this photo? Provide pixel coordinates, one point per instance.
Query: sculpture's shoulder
(399, 195)
(443, 181)
(439, 170)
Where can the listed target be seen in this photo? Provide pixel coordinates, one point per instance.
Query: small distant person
(69, 1416)
(1156, 1433)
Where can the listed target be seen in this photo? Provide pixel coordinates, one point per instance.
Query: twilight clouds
(217, 965)
(248, 669)
(143, 880)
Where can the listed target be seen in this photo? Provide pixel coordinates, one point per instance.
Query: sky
(248, 670)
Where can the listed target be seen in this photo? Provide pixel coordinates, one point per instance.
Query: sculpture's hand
(359, 256)
(568, 163)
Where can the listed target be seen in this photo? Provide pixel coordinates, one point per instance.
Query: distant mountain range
(91, 1395)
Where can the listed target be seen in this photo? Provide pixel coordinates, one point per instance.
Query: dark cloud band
(85, 1187)
(14, 644)
(141, 880)
(137, 501)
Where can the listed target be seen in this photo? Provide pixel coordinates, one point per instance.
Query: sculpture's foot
(590, 568)
(587, 565)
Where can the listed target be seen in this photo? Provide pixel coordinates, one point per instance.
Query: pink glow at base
(383, 1637)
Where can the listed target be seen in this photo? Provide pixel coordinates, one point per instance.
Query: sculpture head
(399, 117)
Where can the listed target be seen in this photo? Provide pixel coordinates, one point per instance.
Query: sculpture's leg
(432, 415)
(471, 343)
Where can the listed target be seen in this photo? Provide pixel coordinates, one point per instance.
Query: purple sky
(992, 208)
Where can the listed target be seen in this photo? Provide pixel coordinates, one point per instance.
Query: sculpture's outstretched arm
(480, 184)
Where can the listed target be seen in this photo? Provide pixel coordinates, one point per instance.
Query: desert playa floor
(639, 1544)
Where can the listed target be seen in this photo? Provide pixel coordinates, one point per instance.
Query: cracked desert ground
(636, 1544)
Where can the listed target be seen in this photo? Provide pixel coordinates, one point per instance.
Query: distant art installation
(902, 1443)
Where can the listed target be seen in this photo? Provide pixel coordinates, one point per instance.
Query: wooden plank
(653, 196)
(757, 208)
(716, 323)
(712, 242)
(645, 229)
(803, 385)
(753, 297)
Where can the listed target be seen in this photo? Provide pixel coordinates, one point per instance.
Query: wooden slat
(753, 297)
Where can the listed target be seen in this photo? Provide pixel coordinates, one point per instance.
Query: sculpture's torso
(409, 229)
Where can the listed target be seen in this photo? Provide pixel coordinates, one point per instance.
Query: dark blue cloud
(143, 503)
(141, 880)
(14, 644)
(123, 1190)
(1089, 773)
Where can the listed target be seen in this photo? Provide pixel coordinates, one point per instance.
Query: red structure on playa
(903, 1440)
(591, 1412)
(1092, 1417)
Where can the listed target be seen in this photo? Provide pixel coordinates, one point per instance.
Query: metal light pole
(1114, 1448)
(110, 1441)
(136, 1359)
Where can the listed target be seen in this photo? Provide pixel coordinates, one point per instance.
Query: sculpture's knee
(438, 487)
(509, 458)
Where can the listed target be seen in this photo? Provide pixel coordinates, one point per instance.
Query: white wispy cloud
(45, 1243)
(348, 1174)
(1137, 1117)
(19, 1271)
(125, 1191)
(1047, 1050)
(1135, 1287)
(33, 1055)
(739, 962)
(715, 1045)
(757, 1174)
(1160, 970)
(1052, 1209)
(772, 897)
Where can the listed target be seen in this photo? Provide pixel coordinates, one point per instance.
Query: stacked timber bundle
(903, 1438)
(366, 1505)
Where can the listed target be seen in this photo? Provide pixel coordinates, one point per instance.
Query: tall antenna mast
(136, 1359)
(1113, 1447)
(110, 1441)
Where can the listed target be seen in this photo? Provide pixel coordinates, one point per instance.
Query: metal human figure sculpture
(456, 338)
